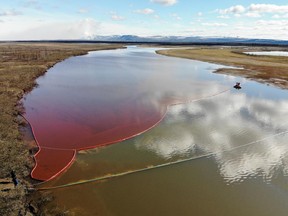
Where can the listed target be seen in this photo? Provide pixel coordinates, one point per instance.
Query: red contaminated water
(85, 103)
(59, 139)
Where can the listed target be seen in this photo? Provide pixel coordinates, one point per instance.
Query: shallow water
(245, 171)
(269, 53)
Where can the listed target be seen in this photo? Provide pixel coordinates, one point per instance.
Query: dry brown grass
(269, 69)
(20, 65)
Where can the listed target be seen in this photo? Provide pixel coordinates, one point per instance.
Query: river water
(236, 137)
(268, 53)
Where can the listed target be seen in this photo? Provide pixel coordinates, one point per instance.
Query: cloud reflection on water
(219, 124)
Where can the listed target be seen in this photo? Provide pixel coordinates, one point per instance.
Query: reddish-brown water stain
(47, 167)
(59, 140)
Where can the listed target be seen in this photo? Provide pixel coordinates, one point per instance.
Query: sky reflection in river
(221, 124)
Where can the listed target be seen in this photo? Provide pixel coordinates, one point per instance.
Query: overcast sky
(76, 19)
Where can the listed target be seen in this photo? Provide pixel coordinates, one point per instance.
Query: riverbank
(271, 70)
(20, 65)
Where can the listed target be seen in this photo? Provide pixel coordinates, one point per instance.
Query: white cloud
(82, 11)
(116, 17)
(17, 23)
(12, 12)
(165, 2)
(214, 24)
(273, 23)
(223, 17)
(53, 30)
(254, 10)
(176, 17)
(278, 16)
(145, 11)
(58, 30)
(233, 10)
(268, 8)
(253, 14)
(156, 16)
(273, 27)
(32, 4)
(265, 29)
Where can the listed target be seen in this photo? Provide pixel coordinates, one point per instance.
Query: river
(115, 111)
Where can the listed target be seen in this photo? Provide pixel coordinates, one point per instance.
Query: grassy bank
(269, 69)
(20, 65)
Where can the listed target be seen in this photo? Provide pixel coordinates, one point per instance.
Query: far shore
(272, 70)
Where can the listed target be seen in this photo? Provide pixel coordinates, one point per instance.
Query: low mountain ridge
(182, 39)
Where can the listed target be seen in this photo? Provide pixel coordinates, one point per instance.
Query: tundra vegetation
(20, 65)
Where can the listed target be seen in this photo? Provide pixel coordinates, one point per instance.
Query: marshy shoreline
(22, 63)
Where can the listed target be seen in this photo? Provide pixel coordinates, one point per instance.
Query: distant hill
(180, 39)
(172, 40)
